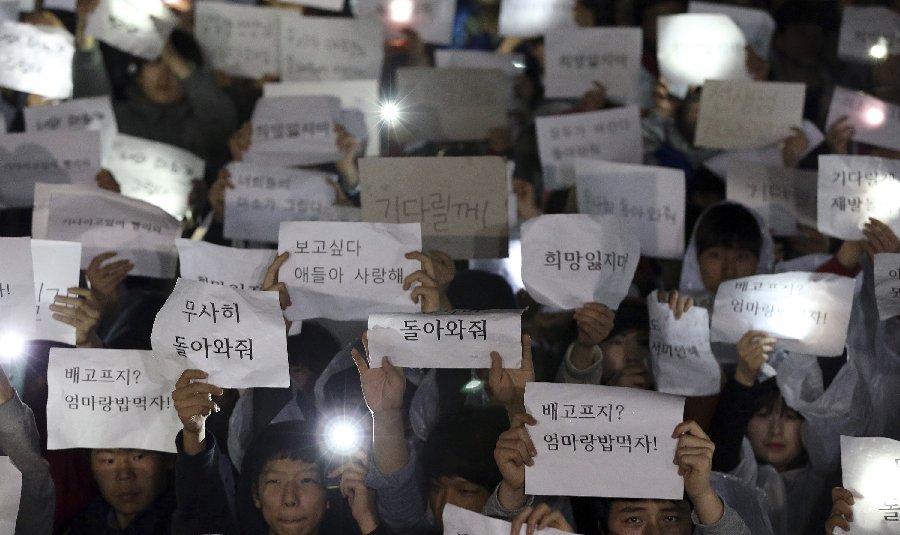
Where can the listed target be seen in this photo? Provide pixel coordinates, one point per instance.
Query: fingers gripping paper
(682, 360)
(10, 495)
(807, 312)
(569, 260)
(854, 188)
(236, 336)
(603, 441)
(347, 270)
(887, 285)
(459, 339)
(871, 466)
(459, 521)
(110, 398)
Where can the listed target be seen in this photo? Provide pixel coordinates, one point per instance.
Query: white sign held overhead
(110, 398)
(456, 339)
(874, 121)
(576, 58)
(154, 172)
(241, 269)
(757, 25)
(57, 267)
(460, 202)
(238, 337)
(870, 467)
(240, 40)
(431, 19)
(854, 188)
(347, 270)
(603, 441)
(138, 27)
(613, 135)
(16, 289)
(263, 197)
(459, 521)
(569, 260)
(887, 285)
(806, 312)
(680, 355)
(869, 34)
(316, 48)
(783, 197)
(650, 199)
(10, 495)
(526, 18)
(48, 157)
(291, 131)
(695, 47)
(36, 59)
(737, 115)
(102, 221)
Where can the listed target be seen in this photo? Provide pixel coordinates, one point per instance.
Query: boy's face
(291, 496)
(650, 517)
(720, 264)
(129, 480)
(457, 491)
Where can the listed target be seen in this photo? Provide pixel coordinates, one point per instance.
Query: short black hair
(462, 445)
(728, 225)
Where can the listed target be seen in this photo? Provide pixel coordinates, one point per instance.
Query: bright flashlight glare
(11, 345)
(519, 65)
(401, 11)
(473, 386)
(343, 437)
(390, 112)
(874, 116)
(879, 50)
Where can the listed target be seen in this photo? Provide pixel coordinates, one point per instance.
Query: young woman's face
(774, 434)
(720, 264)
(650, 517)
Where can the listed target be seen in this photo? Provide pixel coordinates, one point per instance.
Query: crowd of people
(759, 457)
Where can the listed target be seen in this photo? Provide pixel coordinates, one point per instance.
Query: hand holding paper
(193, 403)
(507, 385)
(383, 386)
(693, 455)
(841, 510)
(513, 452)
(753, 352)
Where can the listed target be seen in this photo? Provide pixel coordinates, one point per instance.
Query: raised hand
(193, 403)
(753, 351)
(507, 386)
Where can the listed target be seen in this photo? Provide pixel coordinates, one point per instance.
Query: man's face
(290, 494)
(721, 264)
(159, 84)
(650, 517)
(130, 480)
(457, 491)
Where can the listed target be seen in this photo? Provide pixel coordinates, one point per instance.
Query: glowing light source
(343, 436)
(879, 50)
(874, 116)
(473, 386)
(401, 11)
(390, 113)
(11, 345)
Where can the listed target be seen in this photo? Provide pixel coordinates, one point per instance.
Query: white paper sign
(450, 104)
(459, 521)
(317, 48)
(603, 441)
(154, 172)
(57, 267)
(680, 355)
(36, 59)
(695, 47)
(854, 188)
(347, 271)
(16, 288)
(138, 27)
(109, 398)
(240, 40)
(870, 467)
(103, 221)
(328, 5)
(769, 155)
(783, 197)
(458, 339)
(650, 199)
(613, 135)
(869, 34)
(236, 336)
(511, 64)
(887, 285)
(460, 202)
(571, 259)
(49, 157)
(263, 197)
(527, 18)
(94, 114)
(874, 121)
(10, 495)
(431, 19)
(290, 131)
(736, 115)
(241, 269)
(361, 95)
(757, 25)
(807, 312)
(576, 58)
